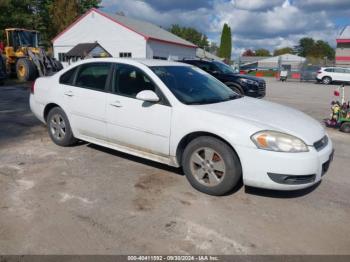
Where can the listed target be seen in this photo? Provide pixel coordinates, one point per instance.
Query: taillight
(319, 72)
(32, 86)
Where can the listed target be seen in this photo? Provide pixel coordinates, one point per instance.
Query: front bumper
(284, 171)
(255, 91)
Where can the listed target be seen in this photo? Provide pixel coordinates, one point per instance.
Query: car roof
(147, 62)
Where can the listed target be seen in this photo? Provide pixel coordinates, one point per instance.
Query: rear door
(134, 123)
(86, 99)
(338, 74)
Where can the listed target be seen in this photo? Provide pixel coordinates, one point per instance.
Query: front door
(134, 123)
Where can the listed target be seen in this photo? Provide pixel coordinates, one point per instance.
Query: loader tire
(59, 65)
(25, 70)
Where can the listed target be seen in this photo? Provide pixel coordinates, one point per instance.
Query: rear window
(329, 70)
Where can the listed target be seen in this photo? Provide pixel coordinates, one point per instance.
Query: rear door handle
(116, 104)
(69, 93)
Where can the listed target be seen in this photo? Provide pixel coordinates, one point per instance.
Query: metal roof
(345, 33)
(147, 29)
(284, 58)
(201, 53)
(83, 49)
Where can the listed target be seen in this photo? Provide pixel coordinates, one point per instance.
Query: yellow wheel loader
(24, 57)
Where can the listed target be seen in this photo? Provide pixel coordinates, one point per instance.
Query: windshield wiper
(206, 101)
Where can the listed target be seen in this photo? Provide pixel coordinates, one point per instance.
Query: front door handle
(116, 104)
(69, 93)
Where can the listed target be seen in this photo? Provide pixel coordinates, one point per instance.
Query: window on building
(93, 75)
(62, 57)
(124, 55)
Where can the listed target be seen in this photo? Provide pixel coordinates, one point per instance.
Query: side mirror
(147, 96)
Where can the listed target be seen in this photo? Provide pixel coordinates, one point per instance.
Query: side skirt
(170, 161)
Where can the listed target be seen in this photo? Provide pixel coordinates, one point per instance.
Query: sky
(254, 24)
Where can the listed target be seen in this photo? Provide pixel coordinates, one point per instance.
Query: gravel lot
(90, 200)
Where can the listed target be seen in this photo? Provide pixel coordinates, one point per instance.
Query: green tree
(305, 46)
(47, 16)
(190, 34)
(308, 47)
(262, 52)
(225, 48)
(248, 52)
(283, 50)
(64, 12)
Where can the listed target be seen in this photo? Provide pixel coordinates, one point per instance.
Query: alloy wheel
(58, 127)
(207, 166)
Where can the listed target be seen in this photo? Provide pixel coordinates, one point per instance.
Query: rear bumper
(36, 108)
(284, 171)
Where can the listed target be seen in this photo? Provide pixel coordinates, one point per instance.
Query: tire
(345, 127)
(203, 172)
(25, 70)
(326, 80)
(235, 88)
(58, 65)
(59, 128)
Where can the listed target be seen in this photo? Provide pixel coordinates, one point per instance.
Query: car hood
(250, 77)
(270, 116)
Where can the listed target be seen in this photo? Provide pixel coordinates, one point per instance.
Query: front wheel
(25, 69)
(59, 128)
(211, 166)
(236, 89)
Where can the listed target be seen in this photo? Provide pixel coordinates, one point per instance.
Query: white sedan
(181, 116)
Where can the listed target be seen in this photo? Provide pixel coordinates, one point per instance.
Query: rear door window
(93, 76)
(68, 77)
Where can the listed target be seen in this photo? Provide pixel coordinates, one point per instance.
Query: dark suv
(242, 84)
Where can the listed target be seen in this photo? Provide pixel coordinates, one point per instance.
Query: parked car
(328, 75)
(241, 84)
(309, 72)
(179, 115)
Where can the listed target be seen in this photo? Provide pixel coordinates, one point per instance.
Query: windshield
(193, 86)
(27, 38)
(226, 69)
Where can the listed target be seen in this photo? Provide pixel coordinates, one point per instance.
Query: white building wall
(169, 51)
(111, 36)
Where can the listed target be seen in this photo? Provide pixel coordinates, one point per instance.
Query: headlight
(248, 81)
(280, 142)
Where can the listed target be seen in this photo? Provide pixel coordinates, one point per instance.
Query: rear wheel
(59, 128)
(211, 166)
(326, 80)
(25, 69)
(345, 127)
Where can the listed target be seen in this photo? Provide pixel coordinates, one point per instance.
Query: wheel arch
(193, 135)
(235, 85)
(48, 108)
(327, 76)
